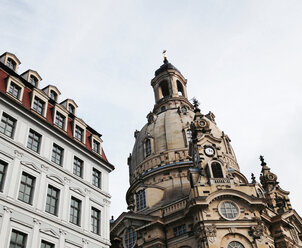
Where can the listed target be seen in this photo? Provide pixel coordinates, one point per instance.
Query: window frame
(99, 184)
(95, 220)
(17, 82)
(82, 125)
(223, 215)
(50, 245)
(62, 111)
(39, 142)
(38, 105)
(32, 187)
(78, 222)
(36, 93)
(141, 202)
(180, 230)
(12, 134)
(55, 156)
(25, 237)
(56, 199)
(3, 174)
(77, 165)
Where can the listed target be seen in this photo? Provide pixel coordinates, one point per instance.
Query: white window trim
(64, 152)
(26, 76)
(7, 56)
(99, 140)
(81, 124)
(52, 182)
(62, 111)
(43, 97)
(101, 209)
(82, 199)
(37, 176)
(17, 122)
(17, 82)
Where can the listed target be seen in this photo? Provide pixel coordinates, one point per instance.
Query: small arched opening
(180, 88)
(216, 170)
(164, 89)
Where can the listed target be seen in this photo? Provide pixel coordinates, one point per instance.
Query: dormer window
(38, 106)
(60, 120)
(96, 146)
(53, 95)
(11, 63)
(33, 80)
(71, 108)
(14, 90)
(79, 133)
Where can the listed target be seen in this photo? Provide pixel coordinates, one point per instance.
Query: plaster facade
(59, 167)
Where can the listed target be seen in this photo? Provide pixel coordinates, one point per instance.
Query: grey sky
(242, 60)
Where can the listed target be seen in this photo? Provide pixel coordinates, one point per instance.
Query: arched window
(130, 238)
(164, 88)
(148, 147)
(180, 88)
(33, 80)
(53, 95)
(11, 63)
(216, 170)
(235, 244)
(71, 108)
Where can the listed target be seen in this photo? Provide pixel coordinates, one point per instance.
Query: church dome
(165, 66)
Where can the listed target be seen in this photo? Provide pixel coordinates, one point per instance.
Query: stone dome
(169, 133)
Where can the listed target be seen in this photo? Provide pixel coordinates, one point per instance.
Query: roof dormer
(10, 60)
(32, 77)
(70, 105)
(52, 91)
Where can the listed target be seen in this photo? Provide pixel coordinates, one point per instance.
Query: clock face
(209, 151)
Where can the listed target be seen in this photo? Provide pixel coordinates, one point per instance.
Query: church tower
(186, 189)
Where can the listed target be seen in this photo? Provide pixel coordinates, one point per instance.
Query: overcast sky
(242, 60)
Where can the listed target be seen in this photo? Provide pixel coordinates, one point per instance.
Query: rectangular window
(140, 199)
(78, 167)
(95, 220)
(57, 154)
(60, 120)
(96, 146)
(75, 211)
(18, 239)
(34, 140)
(179, 230)
(3, 167)
(7, 125)
(26, 188)
(78, 134)
(96, 178)
(45, 244)
(52, 200)
(38, 106)
(14, 90)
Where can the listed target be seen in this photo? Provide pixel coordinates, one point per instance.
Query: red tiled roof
(26, 102)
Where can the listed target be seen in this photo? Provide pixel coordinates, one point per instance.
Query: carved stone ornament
(210, 232)
(18, 154)
(85, 241)
(62, 232)
(257, 231)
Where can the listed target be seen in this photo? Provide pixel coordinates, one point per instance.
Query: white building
(53, 170)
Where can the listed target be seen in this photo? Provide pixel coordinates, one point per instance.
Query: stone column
(35, 241)
(65, 203)
(62, 238)
(5, 227)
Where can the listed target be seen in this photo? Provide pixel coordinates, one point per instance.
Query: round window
(130, 238)
(229, 210)
(235, 244)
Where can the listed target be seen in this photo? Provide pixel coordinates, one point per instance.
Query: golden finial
(165, 55)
